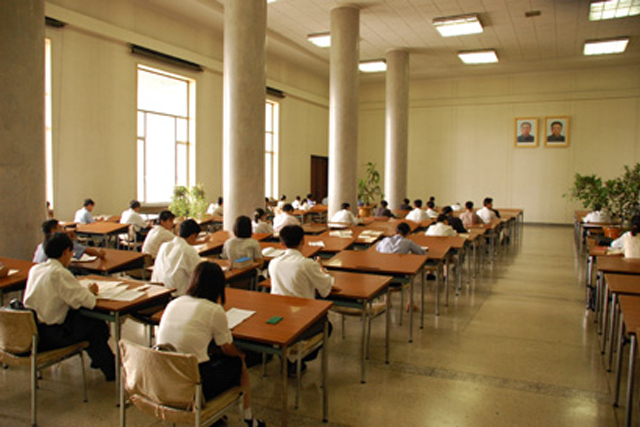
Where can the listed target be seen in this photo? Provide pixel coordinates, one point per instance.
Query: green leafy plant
(369, 186)
(197, 203)
(188, 202)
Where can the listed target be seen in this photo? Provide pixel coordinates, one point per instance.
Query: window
(271, 150)
(165, 141)
(48, 147)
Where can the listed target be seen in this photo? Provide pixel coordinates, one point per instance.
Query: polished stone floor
(516, 348)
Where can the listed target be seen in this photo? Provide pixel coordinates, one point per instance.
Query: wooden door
(319, 177)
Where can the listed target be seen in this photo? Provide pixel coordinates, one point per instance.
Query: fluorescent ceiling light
(605, 47)
(458, 25)
(320, 39)
(376, 66)
(611, 9)
(478, 57)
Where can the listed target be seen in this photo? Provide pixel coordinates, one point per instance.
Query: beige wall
(94, 102)
(461, 134)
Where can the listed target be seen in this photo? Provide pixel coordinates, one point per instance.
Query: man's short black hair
(406, 201)
(48, 226)
(56, 244)
(556, 123)
(291, 236)
(165, 215)
(88, 202)
(288, 207)
(403, 229)
(487, 200)
(441, 218)
(242, 227)
(134, 204)
(189, 228)
(345, 206)
(447, 210)
(430, 204)
(469, 205)
(384, 204)
(220, 200)
(417, 203)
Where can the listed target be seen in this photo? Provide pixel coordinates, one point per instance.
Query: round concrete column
(343, 108)
(245, 25)
(22, 165)
(397, 127)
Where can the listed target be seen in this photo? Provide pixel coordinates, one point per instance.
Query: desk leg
(630, 374)
(459, 270)
(621, 338)
(410, 309)
(325, 392)
(422, 284)
(615, 309)
(446, 281)
(438, 276)
(468, 255)
(603, 322)
(117, 328)
(475, 257)
(387, 316)
(598, 301)
(283, 390)
(363, 340)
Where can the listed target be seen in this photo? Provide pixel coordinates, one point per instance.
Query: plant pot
(611, 232)
(365, 211)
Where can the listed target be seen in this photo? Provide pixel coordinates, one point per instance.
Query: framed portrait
(526, 132)
(556, 131)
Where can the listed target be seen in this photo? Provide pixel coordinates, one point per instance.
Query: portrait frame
(519, 139)
(549, 139)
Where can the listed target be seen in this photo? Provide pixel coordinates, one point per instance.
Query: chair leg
(34, 378)
(84, 377)
(298, 373)
(264, 364)
(401, 303)
(370, 316)
(343, 322)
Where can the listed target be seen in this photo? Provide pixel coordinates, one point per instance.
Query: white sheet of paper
(12, 272)
(270, 252)
(235, 316)
(116, 291)
(86, 258)
(319, 243)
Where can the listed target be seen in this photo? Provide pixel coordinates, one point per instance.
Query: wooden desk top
(357, 234)
(313, 228)
(307, 251)
(102, 227)
(491, 226)
(512, 211)
(388, 228)
(113, 260)
(601, 251)
(630, 308)
(18, 280)
(400, 213)
(331, 244)
(623, 283)
(439, 246)
(154, 294)
(215, 241)
(373, 261)
(231, 274)
(611, 264)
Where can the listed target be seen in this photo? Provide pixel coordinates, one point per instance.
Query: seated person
(308, 203)
(52, 226)
(83, 215)
(383, 210)
(399, 244)
(285, 218)
(132, 216)
(260, 224)
(195, 323)
(417, 214)
(487, 214)
(216, 209)
(177, 259)
(469, 218)
(282, 202)
(294, 275)
(159, 234)
(455, 223)
(456, 207)
(630, 241)
(597, 215)
(56, 295)
(441, 227)
(406, 205)
(431, 209)
(242, 245)
(344, 215)
(297, 203)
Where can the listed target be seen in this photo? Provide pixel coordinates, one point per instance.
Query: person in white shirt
(417, 214)
(487, 214)
(177, 259)
(629, 242)
(216, 209)
(159, 234)
(195, 323)
(56, 295)
(441, 227)
(597, 215)
(52, 226)
(308, 203)
(294, 275)
(260, 224)
(285, 218)
(456, 207)
(132, 216)
(83, 215)
(344, 216)
(281, 202)
(297, 203)
(399, 244)
(431, 209)
(242, 245)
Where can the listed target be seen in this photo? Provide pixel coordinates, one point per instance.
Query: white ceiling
(551, 41)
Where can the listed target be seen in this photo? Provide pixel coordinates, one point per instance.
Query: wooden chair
(167, 386)
(19, 347)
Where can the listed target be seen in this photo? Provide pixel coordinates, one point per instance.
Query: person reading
(383, 210)
(417, 214)
(406, 205)
(285, 218)
(398, 243)
(260, 224)
(241, 245)
(84, 215)
(132, 216)
(431, 209)
(159, 234)
(487, 214)
(51, 227)
(455, 223)
(469, 218)
(441, 227)
(597, 215)
(344, 215)
(629, 242)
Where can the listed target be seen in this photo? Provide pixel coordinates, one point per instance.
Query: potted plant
(180, 202)
(197, 203)
(368, 190)
(188, 202)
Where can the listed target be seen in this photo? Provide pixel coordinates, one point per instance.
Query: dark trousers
(219, 374)
(76, 328)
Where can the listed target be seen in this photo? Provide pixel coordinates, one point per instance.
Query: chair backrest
(17, 328)
(166, 378)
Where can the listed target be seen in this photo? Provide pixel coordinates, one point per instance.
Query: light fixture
(271, 1)
(605, 47)
(611, 9)
(478, 56)
(320, 39)
(375, 66)
(458, 25)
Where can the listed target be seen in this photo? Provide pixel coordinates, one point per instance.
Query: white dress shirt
(175, 262)
(417, 215)
(432, 213)
(486, 215)
(52, 290)
(284, 219)
(296, 204)
(597, 216)
(440, 229)
(190, 324)
(294, 275)
(236, 248)
(83, 216)
(631, 245)
(215, 209)
(155, 238)
(399, 245)
(134, 218)
(344, 216)
(261, 227)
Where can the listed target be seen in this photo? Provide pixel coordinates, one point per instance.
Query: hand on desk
(93, 288)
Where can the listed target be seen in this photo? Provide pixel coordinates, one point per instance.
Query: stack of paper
(371, 233)
(318, 243)
(235, 316)
(86, 258)
(116, 291)
(270, 252)
(12, 272)
(345, 234)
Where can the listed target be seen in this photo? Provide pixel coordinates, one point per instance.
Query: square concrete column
(22, 163)
(245, 24)
(343, 107)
